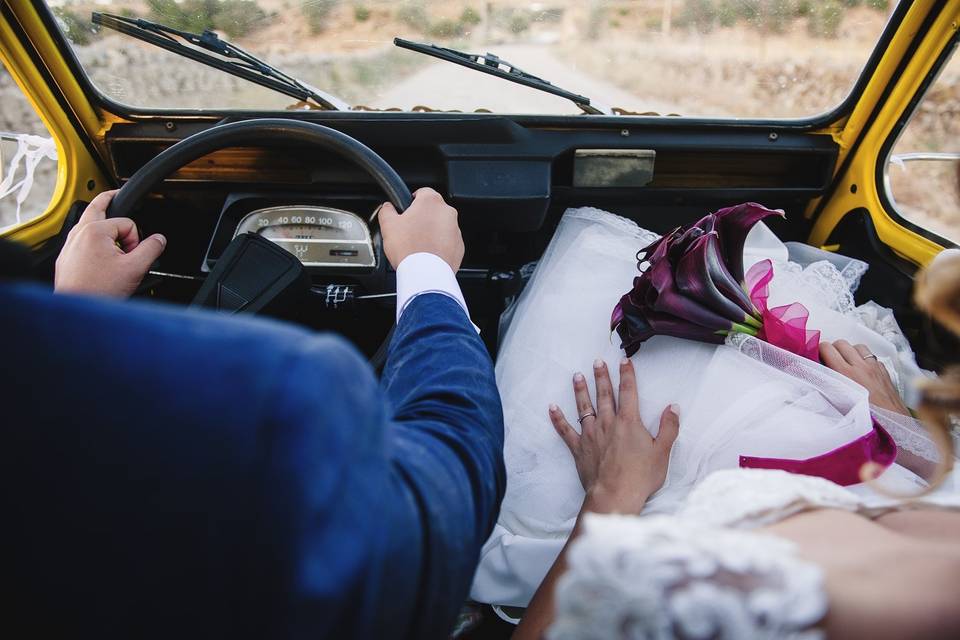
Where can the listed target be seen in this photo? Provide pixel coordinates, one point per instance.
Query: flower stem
(753, 322)
(742, 328)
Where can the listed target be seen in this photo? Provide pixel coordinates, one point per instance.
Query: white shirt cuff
(421, 273)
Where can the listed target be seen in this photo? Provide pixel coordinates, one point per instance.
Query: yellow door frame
(857, 187)
(38, 68)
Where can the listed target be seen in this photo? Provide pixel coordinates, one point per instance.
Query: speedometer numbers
(318, 236)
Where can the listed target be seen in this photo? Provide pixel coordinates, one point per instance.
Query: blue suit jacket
(168, 473)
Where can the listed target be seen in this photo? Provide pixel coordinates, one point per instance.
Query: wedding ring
(870, 356)
(588, 414)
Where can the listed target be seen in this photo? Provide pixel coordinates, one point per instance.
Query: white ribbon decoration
(31, 150)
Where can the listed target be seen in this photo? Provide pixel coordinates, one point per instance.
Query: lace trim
(751, 498)
(619, 223)
(665, 577)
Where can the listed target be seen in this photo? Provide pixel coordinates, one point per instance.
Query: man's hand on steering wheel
(105, 256)
(429, 225)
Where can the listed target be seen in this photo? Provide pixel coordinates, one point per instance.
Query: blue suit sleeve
(446, 440)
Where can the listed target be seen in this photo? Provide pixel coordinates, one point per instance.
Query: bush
(699, 14)
(823, 17)
(519, 22)
(361, 13)
(445, 28)
(235, 18)
(414, 16)
(316, 13)
(470, 17)
(77, 30)
(825, 20)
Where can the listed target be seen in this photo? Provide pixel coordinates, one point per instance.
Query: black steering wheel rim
(256, 132)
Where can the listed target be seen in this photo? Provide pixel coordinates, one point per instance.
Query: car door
(29, 55)
(860, 194)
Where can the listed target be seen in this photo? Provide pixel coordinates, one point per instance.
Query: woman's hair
(937, 292)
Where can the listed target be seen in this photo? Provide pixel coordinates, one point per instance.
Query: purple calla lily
(702, 275)
(733, 224)
(694, 278)
(636, 326)
(668, 325)
(691, 282)
(657, 249)
(663, 296)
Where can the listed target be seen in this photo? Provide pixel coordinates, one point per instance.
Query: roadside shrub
(824, 21)
(771, 16)
(413, 15)
(361, 13)
(446, 28)
(519, 22)
(470, 17)
(77, 30)
(316, 13)
(235, 18)
(699, 14)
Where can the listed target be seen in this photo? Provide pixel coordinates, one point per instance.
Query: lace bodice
(663, 577)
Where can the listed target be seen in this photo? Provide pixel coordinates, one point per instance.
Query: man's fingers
(426, 192)
(386, 214)
(97, 209)
(831, 357)
(121, 230)
(147, 252)
(629, 403)
(606, 405)
(669, 427)
(566, 432)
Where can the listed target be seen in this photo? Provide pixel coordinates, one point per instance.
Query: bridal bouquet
(692, 285)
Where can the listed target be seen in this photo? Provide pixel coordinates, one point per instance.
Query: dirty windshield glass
(714, 58)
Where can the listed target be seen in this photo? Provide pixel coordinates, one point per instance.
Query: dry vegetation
(736, 58)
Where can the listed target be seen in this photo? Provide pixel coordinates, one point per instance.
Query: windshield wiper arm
(233, 60)
(496, 66)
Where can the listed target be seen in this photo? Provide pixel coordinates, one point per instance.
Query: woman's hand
(619, 462)
(858, 364)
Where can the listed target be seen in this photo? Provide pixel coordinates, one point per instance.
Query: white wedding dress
(745, 398)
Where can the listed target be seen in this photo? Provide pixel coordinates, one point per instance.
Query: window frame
(883, 157)
(811, 123)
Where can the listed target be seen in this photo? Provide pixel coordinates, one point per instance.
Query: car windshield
(703, 58)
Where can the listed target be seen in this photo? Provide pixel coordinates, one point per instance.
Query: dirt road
(443, 85)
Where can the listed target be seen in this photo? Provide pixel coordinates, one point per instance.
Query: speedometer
(318, 236)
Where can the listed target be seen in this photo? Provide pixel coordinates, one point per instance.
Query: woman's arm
(619, 462)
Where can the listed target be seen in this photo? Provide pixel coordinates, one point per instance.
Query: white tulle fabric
(650, 578)
(745, 398)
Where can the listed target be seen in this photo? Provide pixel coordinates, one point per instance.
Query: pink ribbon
(785, 326)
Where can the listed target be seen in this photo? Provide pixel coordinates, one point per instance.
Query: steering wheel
(257, 132)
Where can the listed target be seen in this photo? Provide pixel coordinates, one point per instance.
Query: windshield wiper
(233, 60)
(496, 66)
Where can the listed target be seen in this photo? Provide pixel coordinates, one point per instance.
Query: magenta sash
(842, 465)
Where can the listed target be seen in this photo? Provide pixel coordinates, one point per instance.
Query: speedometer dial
(318, 236)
